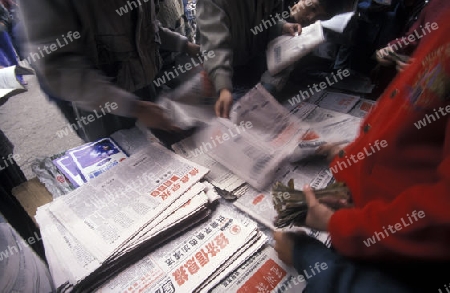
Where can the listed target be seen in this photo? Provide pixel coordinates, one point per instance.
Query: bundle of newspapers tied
(111, 233)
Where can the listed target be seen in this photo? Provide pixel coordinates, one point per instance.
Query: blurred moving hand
(382, 56)
(224, 103)
(336, 203)
(192, 49)
(387, 57)
(330, 150)
(292, 29)
(152, 116)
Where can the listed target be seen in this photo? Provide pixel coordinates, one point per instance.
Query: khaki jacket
(225, 27)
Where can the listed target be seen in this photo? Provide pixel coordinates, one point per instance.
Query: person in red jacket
(396, 235)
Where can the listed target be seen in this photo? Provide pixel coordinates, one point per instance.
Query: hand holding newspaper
(286, 50)
(275, 137)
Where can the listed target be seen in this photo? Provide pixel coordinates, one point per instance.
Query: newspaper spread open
(259, 137)
(258, 203)
(262, 135)
(225, 179)
(334, 101)
(218, 175)
(362, 108)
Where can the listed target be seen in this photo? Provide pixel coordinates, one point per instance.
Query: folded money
(291, 205)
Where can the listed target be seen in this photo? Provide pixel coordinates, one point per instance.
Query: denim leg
(18, 40)
(7, 49)
(341, 275)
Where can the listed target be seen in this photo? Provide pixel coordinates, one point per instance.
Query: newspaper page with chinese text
(185, 263)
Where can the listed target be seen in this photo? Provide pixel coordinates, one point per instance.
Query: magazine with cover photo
(96, 158)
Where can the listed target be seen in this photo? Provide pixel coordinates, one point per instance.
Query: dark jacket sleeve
(67, 72)
(4, 18)
(172, 41)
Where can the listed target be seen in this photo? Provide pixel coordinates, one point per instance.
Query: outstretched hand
(152, 116)
(192, 49)
(330, 150)
(223, 104)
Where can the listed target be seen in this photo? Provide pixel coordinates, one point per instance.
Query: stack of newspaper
(263, 272)
(111, 222)
(196, 262)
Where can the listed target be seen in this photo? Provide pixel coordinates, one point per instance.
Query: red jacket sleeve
(364, 233)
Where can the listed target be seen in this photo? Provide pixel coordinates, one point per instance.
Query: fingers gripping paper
(286, 50)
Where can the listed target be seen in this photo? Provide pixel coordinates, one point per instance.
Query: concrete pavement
(31, 121)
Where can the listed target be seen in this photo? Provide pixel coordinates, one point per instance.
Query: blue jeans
(7, 53)
(346, 276)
